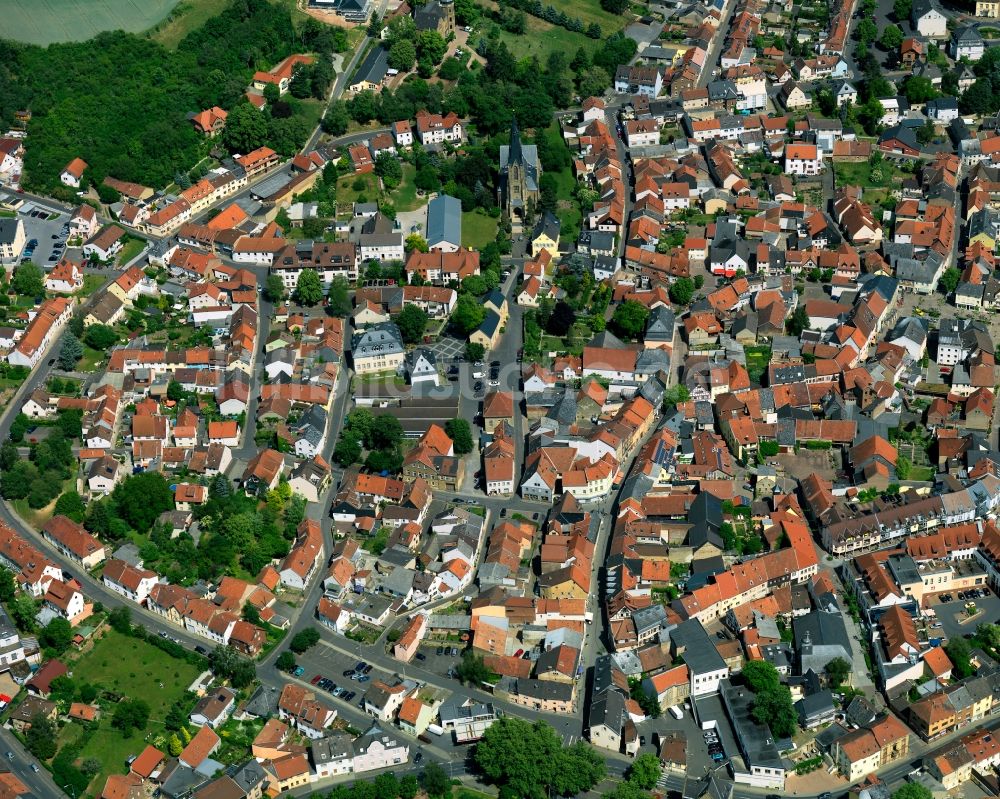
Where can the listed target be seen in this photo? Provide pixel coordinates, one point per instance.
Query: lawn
(147, 673)
(90, 360)
(861, 174)
(478, 229)
(757, 360)
(357, 188)
(310, 112)
(187, 16)
(404, 197)
(541, 38)
(45, 21)
(130, 250)
(91, 283)
(589, 11)
(567, 209)
(38, 517)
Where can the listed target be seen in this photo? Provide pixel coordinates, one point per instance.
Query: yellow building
(545, 236)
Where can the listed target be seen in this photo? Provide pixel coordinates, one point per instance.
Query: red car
(316, 679)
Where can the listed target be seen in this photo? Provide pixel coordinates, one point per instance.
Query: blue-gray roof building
(444, 223)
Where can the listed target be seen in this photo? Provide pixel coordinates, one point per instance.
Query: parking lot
(47, 232)
(698, 760)
(952, 614)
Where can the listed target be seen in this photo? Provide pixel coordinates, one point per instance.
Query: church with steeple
(519, 173)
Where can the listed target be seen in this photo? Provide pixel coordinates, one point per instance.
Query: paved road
(19, 760)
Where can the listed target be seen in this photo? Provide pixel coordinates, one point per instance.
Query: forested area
(121, 102)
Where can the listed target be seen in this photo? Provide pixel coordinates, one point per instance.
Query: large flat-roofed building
(705, 665)
(761, 764)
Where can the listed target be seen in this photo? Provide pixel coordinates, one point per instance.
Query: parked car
(299, 671)
(359, 666)
(418, 757)
(364, 678)
(348, 672)
(440, 650)
(316, 680)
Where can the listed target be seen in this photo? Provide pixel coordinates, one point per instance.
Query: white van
(676, 712)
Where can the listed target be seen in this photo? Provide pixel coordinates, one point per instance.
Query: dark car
(421, 656)
(440, 650)
(367, 668)
(359, 666)
(418, 757)
(826, 795)
(201, 650)
(348, 672)
(478, 386)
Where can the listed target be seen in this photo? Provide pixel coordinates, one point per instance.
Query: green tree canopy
(308, 289)
(28, 280)
(461, 434)
(411, 321)
(529, 760)
(630, 318)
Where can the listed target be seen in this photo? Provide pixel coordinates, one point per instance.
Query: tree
(630, 319)
(645, 771)
(274, 288)
(304, 640)
(336, 120)
(949, 280)
(529, 761)
(866, 32)
(901, 9)
(120, 620)
(142, 498)
(460, 433)
(402, 55)
(626, 790)
(416, 242)
(70, 352)
(468, 315)
(411, 321)
(100, 337)
(388, 168)
(22, 610)
(245, 130)
(912, 790)
(348, 449)
(227, 663)
(7, 585)
(71, 505)
(308, 289)
(408, 787)
(41, 737)
(474, 352)
(435, 781)
(28, 280)
(959, 651)
(471, 669)
(174, 745)
(616, 7)
(919, 89)
(285, 662)
(837, 670)
(891, 38)
(561, 319)
(682, 290)
(339, 298)
(431, 46)
(129, 715)
(797, 322)
(57, 635)
(385, 434)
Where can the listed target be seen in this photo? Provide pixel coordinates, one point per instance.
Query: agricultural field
(46, 21)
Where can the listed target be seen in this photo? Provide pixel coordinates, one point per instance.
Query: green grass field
(130, 250)
(590, 11)
(405, 198)
(184, 18)
(541, 38)
(46, 21)
(148, 674)
(478, 230)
